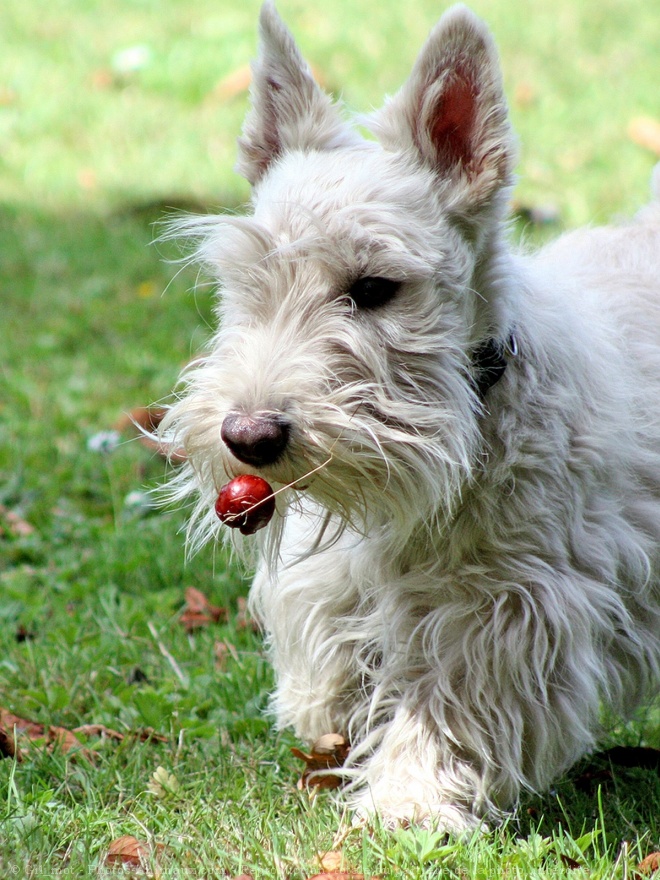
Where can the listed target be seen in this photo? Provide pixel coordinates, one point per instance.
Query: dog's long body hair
(463, 568)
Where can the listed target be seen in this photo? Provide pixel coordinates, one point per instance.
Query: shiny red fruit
(246, 503)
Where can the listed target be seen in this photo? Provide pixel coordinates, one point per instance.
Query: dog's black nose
(257, 440)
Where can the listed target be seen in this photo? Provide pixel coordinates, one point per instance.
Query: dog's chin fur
(457, 577)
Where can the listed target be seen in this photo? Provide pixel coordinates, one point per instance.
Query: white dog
(464, 564)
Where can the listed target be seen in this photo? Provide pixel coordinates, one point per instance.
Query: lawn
(113, 113)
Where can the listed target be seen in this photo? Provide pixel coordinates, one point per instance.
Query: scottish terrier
(453, 447)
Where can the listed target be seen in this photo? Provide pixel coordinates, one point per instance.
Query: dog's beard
(365, 459)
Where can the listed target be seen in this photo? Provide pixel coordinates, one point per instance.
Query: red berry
(246, 503)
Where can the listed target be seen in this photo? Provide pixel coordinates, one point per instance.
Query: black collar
(489, 362)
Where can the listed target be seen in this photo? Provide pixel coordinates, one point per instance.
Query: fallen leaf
(331, 745)
(147, 734)
(243, 618)
(650, 864)
(13, 524)
(222, 651)
(524, 95)
(645, 132)
(148, 418)
(570, 863)
(87, 179)
(234, 84)
(99, 730)
(238, 81)
(8, 747)
(50, 736)
(65, 739)
(7, 96)
(338, 875)
(163, 784)
(143, 734)
(197, 601)
(328, 752)
(23, 634)
(199, 612)
(144, 421)
(31, 729)
(102, 79)
(127, 850)
(332, 861)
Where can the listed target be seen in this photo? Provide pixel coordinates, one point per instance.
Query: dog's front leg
(479, 702)
(315, 638)
(418, 774)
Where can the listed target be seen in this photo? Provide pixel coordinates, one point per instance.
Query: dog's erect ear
(289, 110)
(452, 109)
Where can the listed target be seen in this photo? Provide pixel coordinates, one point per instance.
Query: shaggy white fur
(458, 576)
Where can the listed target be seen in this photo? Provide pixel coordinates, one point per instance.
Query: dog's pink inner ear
(452, 126)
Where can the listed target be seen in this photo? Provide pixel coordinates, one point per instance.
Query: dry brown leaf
(99, 730)
(144, 421)
(127, 850)
(87, 179)
(222, 651)
(52, 735)
(143, 734)
(650, 864)
(337, 875)
(524, 95)
(64, 739)
(102, 79)
(645, 132)
(7, 96)
(13, 524)
(238, 81)
(30, 729)
(23, 634)
(199, 612)
(197, 601)
(568, 862)
(328, 752)
(8, 746)
(332, 861)
(147, 734)
(234, 84)
(243, 617)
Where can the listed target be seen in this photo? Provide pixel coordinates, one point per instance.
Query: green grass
(96, 321)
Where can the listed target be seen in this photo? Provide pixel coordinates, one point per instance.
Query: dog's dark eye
(372, 292)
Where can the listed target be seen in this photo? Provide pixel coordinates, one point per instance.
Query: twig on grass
(183, 678)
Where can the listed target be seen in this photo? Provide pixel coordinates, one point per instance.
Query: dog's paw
(390, 813)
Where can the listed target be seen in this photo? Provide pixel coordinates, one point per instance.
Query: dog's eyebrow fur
(358, 240)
